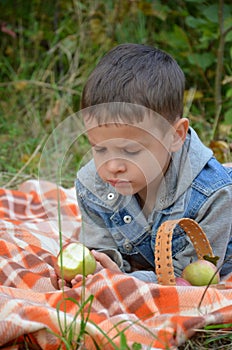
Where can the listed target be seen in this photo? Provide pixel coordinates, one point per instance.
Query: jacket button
(127, 246)
(127, 219)
(110, 196)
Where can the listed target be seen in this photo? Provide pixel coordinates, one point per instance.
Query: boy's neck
(147, 197)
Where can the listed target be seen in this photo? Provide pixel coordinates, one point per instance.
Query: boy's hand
(103, 262)
(57, 282)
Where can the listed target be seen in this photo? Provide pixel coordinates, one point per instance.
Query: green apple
(76, 259)
(200, 272)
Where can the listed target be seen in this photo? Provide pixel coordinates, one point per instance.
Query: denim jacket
(195, 186)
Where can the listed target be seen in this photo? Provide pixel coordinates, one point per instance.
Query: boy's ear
(179, 135)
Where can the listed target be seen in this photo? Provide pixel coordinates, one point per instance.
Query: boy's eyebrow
(128, 143)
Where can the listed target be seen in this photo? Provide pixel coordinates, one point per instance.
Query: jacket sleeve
(146, 276)
(215, 218)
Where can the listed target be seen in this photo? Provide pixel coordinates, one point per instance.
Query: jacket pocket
(179, 241)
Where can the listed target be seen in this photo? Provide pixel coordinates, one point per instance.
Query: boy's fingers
(105, 261)
(77, 279)
(57, 282)
(53, 279)
(63, 284)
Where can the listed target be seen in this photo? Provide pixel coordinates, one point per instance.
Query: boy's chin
(125, 191)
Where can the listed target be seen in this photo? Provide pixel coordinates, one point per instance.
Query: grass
(205, 339)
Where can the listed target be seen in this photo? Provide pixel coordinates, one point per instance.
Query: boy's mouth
(118, 182)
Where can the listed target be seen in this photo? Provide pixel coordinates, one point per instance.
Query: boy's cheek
(101, 172)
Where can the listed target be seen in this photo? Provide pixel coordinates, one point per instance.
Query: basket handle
(163, 247)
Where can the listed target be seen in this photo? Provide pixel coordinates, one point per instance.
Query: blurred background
(48, 48)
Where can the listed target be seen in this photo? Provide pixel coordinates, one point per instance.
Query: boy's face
(132, 158)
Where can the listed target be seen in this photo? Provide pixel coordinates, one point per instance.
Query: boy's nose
(116, 165)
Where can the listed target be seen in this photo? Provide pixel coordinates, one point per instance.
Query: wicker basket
(163, 247)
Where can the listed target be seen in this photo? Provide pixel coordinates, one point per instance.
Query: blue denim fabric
(130, 230)
(212, 178)
(227, 266)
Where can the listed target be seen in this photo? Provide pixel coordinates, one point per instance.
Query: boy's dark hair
(137, 74)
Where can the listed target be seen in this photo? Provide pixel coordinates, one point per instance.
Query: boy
(148, 166)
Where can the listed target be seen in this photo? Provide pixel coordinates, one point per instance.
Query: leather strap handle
(163, 247)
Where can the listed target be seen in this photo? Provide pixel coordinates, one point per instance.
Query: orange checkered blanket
(114, 309)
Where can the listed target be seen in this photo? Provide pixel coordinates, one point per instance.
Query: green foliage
(49, 48)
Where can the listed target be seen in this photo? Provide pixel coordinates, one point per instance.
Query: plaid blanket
(112, 310)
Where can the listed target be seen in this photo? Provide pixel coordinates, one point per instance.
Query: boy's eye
(99, 149)
(126, 151)
(130, 152)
